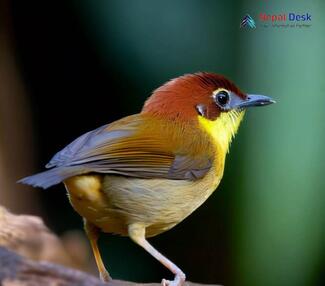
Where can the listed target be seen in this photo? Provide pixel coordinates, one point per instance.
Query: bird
(143, 174)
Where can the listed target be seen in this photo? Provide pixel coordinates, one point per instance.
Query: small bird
(143, 174)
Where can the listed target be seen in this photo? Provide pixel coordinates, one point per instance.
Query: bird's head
(209, 99)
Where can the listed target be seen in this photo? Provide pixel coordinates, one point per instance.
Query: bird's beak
(255, 100)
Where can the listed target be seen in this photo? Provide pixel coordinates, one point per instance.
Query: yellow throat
(224, 128)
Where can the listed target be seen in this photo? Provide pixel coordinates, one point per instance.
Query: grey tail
(51, 177)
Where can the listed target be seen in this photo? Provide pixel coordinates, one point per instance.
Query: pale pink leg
(137, 234)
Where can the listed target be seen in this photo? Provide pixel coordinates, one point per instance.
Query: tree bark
(16, 270)
(25, 244)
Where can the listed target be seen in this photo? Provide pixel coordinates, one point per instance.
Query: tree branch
(16, 270)
(28, 236)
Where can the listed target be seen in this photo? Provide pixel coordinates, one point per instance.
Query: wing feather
(129, 148)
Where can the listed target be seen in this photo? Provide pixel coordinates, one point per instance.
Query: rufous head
(204, 94)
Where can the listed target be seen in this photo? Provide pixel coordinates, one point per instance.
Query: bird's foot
(104, 276)
(178, 281)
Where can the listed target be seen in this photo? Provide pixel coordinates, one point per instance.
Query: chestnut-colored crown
(178, 98)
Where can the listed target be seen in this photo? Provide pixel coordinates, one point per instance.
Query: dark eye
(222, 97)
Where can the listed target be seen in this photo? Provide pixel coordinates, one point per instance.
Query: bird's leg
(137, 234)
(93, 235)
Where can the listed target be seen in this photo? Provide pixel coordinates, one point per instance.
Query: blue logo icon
(248, 21)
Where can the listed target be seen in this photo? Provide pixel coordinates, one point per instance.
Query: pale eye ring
(222, 98)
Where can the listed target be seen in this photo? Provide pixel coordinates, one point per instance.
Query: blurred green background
(81, 64)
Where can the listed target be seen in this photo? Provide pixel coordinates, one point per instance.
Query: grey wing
(88, 140)
(118, 148)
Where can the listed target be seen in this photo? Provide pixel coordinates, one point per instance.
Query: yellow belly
(114, 202)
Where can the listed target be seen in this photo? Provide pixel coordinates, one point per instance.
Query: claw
(178, 281)
(104, 276)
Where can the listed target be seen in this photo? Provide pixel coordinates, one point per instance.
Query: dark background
(83, 64)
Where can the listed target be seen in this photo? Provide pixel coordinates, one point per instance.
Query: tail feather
(51, 177)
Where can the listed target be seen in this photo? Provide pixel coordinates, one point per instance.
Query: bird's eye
(222, 98)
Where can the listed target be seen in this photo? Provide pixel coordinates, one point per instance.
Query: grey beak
(256, 100)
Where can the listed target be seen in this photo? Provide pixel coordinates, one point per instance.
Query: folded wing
(128, 147)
